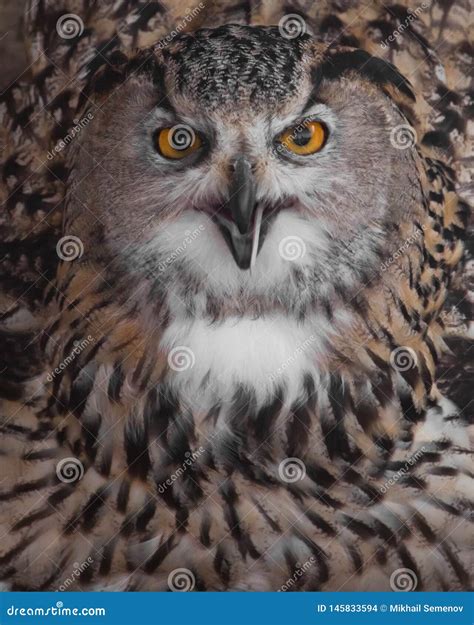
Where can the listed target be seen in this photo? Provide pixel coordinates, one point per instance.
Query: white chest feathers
(209, 361)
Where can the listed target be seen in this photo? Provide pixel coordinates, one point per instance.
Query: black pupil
(302, 137)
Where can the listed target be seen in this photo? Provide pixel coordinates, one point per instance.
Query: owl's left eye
(307, 137)
(177, 142)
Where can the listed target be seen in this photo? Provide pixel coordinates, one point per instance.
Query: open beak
(241, 219)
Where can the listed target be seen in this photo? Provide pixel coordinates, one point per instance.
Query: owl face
(240, 165)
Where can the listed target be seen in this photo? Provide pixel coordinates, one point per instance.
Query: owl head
(239, 169)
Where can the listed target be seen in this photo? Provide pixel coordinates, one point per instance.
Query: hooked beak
(242, 230)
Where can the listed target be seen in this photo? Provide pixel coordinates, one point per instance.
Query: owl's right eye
(304, 139)
(177, 142)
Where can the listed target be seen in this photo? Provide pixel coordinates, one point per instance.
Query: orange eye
(308, 137)
(177, 142)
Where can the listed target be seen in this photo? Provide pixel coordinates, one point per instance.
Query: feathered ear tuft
(337, 62)
(115, 71)
(104, 76)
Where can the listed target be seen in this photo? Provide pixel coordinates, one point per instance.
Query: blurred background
(12, 54)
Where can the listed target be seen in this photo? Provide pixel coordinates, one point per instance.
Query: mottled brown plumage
(168, 484)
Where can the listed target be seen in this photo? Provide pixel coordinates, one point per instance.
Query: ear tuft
(337, 62)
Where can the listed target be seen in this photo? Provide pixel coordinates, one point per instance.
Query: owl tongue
(256, 235)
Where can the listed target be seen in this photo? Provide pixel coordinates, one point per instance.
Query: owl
(229, 234)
